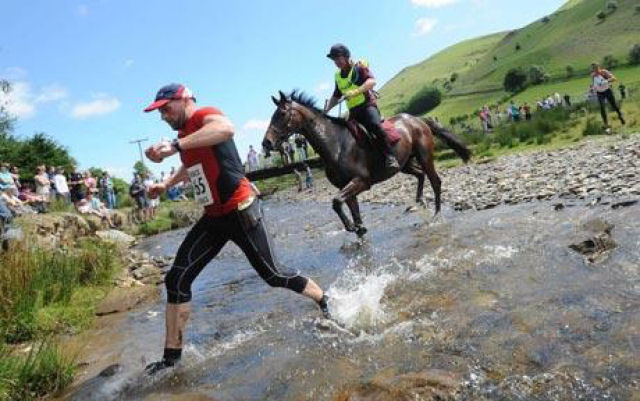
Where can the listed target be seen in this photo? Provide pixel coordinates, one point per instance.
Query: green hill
(570, 36)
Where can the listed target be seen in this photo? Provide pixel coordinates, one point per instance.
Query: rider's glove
(351, 93)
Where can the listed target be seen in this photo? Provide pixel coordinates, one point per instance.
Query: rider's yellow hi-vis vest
(346, 84)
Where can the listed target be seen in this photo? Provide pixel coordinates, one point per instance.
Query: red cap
(168, 93)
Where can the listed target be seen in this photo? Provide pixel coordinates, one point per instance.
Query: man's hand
(156, 189)
(351, 93)
(160, 151)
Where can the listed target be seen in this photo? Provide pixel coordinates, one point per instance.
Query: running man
(601, 81)
(210, 161)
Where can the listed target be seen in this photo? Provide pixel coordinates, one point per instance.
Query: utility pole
(139, 142)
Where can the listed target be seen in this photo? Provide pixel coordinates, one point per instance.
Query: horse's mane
(309, 101)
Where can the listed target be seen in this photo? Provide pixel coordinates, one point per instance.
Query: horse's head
(287, 119)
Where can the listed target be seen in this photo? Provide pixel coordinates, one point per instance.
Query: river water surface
(489, 305)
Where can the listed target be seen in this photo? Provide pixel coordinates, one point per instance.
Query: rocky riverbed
(596, 170)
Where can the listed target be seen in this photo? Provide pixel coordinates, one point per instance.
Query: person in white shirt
(601, 81)
(62, 188)
(153, 202)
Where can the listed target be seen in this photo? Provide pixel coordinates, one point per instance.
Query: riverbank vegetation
(45, 293)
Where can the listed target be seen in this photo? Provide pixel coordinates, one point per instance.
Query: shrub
(592, 127)
(537, 75)
(427, 99)
(609, 62)
(638, 9)
(454, 77)
(612, 5)
(634, 54)
(518, 46)
(495, 58)
(515, 80)
(43, 371)
(545, 19)
(570, 71)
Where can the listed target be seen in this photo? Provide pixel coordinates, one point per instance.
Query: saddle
(362, 136)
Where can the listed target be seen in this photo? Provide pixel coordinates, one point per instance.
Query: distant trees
(425, 100)
(609, 62)
(634, 54)
(537, 75)
(140, 168)
(515, 80)
(570, 71)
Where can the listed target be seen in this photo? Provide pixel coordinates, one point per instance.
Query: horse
(352, 166)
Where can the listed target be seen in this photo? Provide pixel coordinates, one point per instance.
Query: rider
(211, 163)
(355, 82)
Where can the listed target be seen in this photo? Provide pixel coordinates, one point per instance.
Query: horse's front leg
(351, 190)
(354, 207)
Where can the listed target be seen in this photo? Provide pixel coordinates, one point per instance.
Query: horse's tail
(452, 140)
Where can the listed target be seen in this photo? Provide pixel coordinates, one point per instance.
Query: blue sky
(84, 70)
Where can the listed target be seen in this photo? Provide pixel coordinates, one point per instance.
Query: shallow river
(471, 306)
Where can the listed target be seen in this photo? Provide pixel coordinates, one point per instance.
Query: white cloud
(424, 26)
(82, 10)
(432, 3)
(100, 105)
(255, 124)
(128, 63)
(51, 93)
(19, 101)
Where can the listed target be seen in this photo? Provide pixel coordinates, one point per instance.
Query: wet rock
(618, 205)
(124, 299)
(597, 247)
(111, 370)
(116, 236)
(145, 270)
(428, 385)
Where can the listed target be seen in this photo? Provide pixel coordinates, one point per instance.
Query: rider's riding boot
(324, 306)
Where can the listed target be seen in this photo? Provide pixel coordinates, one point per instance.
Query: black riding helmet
(339, 50)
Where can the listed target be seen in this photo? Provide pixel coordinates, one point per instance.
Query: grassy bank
(44, 293)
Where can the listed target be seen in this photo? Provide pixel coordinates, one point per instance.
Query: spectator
(36, 201)
(557, 99)
(43, 185)
(137, 192)
(7, 182)
(92, 205)
(152, 203)
(62, 189)
(527, 111)
(309, 178)
(15, 205)
(51, 172)
(90, 182)
(252, 159)
(515, 112)
(601, 80)
(15, 173)
(301, 145)
(292, 152)
(298, 178)
(5, 218)
(78, 189)
(109, 193)
(483, 120)
(623, 91)
(567, 100)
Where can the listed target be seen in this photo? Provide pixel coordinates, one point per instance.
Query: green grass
(573, 36)
(44, 293)
(42, 371)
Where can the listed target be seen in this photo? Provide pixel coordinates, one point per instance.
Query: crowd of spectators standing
(78, 189)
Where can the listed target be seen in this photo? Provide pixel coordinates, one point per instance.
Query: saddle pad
(388, 126)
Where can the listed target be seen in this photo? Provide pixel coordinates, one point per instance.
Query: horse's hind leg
(352, 203)
(412, 167)
(426, 159)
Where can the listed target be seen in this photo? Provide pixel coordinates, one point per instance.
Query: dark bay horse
(354, 167)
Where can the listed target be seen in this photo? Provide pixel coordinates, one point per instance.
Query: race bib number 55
(200, 185)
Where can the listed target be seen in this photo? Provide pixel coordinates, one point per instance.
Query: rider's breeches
(246, 229)
(369, 116)
(607, 96)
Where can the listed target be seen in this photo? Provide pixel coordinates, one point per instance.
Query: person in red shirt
(210, 161)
